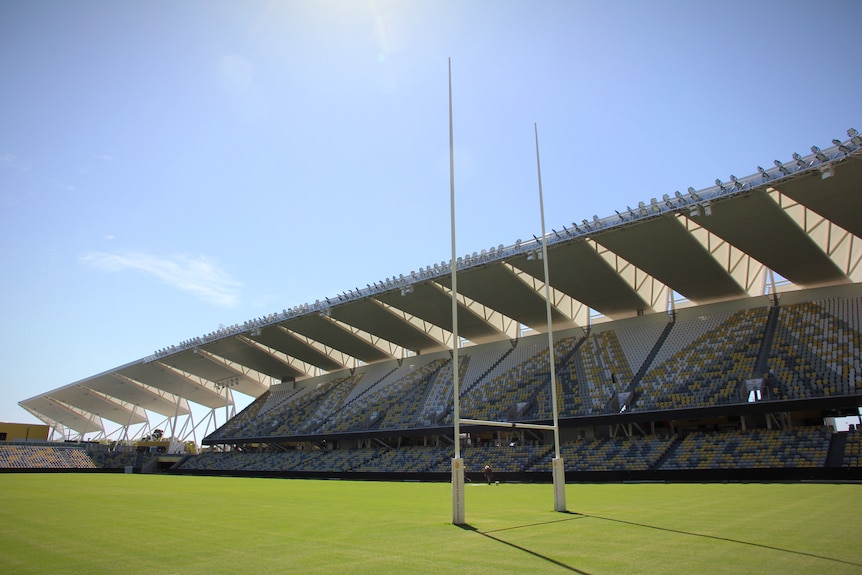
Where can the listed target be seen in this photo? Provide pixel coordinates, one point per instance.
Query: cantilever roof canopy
(801, 220)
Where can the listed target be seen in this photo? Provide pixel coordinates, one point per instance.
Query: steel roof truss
(173, 400)
(574, 310)
(744, 269)
(79, 415)
(393, 350)
(841, 246)
(332, 353)
(296, 364)
(435, 332)
(195, 380)
(245, 373)
(652, 291)
(502, 323)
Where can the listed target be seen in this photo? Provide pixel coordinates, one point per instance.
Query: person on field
(489, 474)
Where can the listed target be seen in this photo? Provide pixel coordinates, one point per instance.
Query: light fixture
(763, 173)
(820, 155)
(720, 185)
(694, 211)
(707, 209)
(854, 137)
(841, 146)
(781, 167)
(736, 182)
(799, 161)
(826, 171)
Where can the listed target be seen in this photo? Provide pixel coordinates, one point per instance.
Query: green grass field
(148, 524)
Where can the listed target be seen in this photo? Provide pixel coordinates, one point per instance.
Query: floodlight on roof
(781, 167)
(820, 155)
(763, 173)
(841, 146)
(736, 182)
(720, 185)
(799, 161)
(854, 136)
(692, 193)
(595, 218)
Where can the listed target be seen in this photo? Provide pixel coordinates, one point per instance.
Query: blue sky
(167, 167)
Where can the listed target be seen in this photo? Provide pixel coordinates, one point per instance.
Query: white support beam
(841, 246)
(306, 368)
(246, 373)
(339, 357)
(501, 323)
(744, 269)
(577, 312)
(393, 350)
(651, 290)
(435, 332)
(167, 397)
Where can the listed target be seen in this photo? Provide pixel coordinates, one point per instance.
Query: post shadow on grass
(727, 539)
(468, 527)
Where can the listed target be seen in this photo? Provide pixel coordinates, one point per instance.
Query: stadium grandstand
(712, 334)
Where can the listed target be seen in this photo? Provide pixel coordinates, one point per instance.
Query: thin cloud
(13, 162)
(198, 276)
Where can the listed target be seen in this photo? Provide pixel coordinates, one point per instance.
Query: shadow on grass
(488, 534)
(727, 539)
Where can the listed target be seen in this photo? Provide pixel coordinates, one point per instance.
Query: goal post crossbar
(509, 424)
